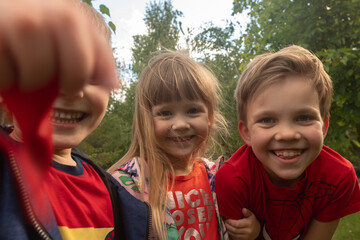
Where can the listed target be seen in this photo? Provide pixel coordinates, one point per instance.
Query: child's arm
(247, 228)
(321, 230)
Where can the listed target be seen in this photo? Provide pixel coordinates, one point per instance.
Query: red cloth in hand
(32, 111)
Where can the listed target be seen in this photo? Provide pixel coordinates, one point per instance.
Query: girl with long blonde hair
(176, 116)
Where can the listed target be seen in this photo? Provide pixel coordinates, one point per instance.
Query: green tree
(163, 32)
(221, 52)
(344, 132)
(331, 29)
(313, 24)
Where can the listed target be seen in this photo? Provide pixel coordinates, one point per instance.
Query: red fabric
(33, 157)
(72, 195)
(32, 111)
(192, 207)
(328, 191)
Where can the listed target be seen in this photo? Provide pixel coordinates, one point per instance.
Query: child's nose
(74, 95)
(180, 123)
(287, 132)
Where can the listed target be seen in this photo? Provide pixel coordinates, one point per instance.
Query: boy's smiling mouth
(287, 154)
(67, 117)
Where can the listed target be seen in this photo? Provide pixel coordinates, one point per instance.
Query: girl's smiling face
(285, 129)
(181, 127)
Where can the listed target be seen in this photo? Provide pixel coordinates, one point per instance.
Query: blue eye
(267, 120)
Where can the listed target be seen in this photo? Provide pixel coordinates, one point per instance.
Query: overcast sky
(128, 17)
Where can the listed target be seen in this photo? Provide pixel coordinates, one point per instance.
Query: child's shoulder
(80, 157)
(331, 164)
(207, 162)
(130, 168)
(242, 159)
(212, 166)
(330, 158)
(242, 166)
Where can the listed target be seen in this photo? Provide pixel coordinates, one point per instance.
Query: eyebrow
(264, 113)
(297, 111)
(308, 109)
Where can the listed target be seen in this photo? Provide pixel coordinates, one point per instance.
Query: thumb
(246, 213)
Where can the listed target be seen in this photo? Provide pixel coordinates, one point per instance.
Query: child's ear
(325, 126)
(244, 132)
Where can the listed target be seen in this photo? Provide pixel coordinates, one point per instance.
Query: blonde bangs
(175, 77)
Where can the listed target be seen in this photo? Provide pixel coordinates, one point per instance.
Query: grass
(349, 228)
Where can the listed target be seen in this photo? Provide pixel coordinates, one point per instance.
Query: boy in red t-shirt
(297, 187)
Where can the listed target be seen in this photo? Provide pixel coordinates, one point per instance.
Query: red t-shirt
(192, 206)
(80, 201)
(329, 191)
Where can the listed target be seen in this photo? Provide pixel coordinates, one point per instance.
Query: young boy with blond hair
(56, 75)
(297, 187)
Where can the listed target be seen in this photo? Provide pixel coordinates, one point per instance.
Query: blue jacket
(20, 216)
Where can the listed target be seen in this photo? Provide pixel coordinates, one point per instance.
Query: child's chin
(61, 144)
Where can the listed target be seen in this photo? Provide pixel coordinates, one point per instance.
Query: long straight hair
(169, 76)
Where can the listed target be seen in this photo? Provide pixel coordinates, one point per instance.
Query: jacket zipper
(25, 198)
(149, 221)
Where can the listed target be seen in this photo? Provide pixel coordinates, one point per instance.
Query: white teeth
(66, 117)
(180, 139)
(287, 153)
(64, 121)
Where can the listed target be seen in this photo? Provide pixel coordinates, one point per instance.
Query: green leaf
(104, 10)
(112, 26)
(344, 60)
(88, 2)
(357, 143)
(349, 73)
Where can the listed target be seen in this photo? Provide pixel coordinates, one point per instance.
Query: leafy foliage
(313, 24)
(222, 54)
(163, 29)
(344, 132)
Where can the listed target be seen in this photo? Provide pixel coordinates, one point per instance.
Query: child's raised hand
(40, 39)
(247, 228)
